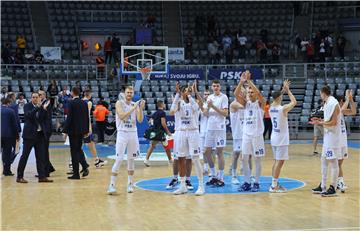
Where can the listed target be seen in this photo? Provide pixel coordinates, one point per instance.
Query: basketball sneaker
(172, 183)
(212, 181)
(189, 185)
(341, 186)
(200, 191)
(255, 187)
(234, 180)
(318, 190)
(100, 163)
(252, 180)
(130, 188)
(245, 187)
(220, 183)
(111, 190)
(331, 192)
(181, 190)
(147, 163)
(277, 189)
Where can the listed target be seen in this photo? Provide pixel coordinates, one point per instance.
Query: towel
(329, 107)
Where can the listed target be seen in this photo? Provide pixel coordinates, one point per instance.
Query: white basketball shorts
(188, 143)
(215, 139)
(253, 146)
(331, 153)
(281, 152)
(237, 145)
(127, 141)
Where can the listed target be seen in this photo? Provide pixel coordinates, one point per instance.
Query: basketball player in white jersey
(237, 124)
(127, 113)
(203, 127)
(253, 140)
(345, 111)
(218, 104)
(90, 139)
(174, 110)
(331, 151)
(280, 133)
(188, 139)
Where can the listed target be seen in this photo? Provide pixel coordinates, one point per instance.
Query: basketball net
(145, 73)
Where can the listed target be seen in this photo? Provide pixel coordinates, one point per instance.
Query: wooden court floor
(84, 204)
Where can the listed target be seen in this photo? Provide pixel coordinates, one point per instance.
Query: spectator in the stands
(108, 50)
(310, 52)
(316, 44)
(241, 43)
(4, 91)
(330, 44)
(341, 43)
(39, 58)
(21, 101)
(116, 47)
(53, 92)
(78, 85)
(322, 51)
(188, 47)
(100, 65)
(6, 54)
(264, 36)
(227, 46)
(21, 44)
(297, 45)
(213, 48)
(304, 44)
(275, 53)
(64, 99)
(261, 50)
(150, 21)
(19, 57)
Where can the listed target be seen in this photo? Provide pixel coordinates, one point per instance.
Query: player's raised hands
(194, 86)
(247, 75)
(177, 88)
(142, 104)
(349, 94)
(286, 86)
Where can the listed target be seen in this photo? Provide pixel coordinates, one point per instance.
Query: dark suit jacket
(9, 128)
(48, 121)
(34, 116)
(15, 107)
(77, 121)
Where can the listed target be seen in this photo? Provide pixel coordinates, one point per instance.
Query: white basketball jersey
(177, 120)
(128, 125)
(217, 121)
(188, 116)
(332, 135)
(253, 120)
(343, 138)
(203, 121)
(237, 123)
(280, 126)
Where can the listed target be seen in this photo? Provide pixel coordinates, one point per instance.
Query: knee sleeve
(258, 168)
(117, 164)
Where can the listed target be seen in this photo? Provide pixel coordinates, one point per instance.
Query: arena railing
(299, 71)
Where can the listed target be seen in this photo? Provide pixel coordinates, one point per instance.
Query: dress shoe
(70, 173)
(73, 177)
(52, 170)
(85, 172)
(8, 174)
(37, 176)
(21, 180)
(45, 180)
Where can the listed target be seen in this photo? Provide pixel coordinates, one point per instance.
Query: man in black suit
(34, 137)
(48, 131)
(9, 135)
(77, 127)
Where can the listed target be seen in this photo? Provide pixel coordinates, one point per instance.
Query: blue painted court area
(159, 185)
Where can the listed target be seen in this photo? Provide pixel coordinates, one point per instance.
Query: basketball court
(85, 205)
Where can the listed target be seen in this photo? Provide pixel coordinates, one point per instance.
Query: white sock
(233, 172)
(274, 182)
(341, 179)
(113, 180)
(257, 169)
(213, 171)
(324, 168)
(182, 182)
(206, 166)
(188, 178)
(130, 179)
(246, 168)
(334, 172)
(199, 171)
(221, 175)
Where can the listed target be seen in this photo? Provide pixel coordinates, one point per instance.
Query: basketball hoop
(145, 73)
